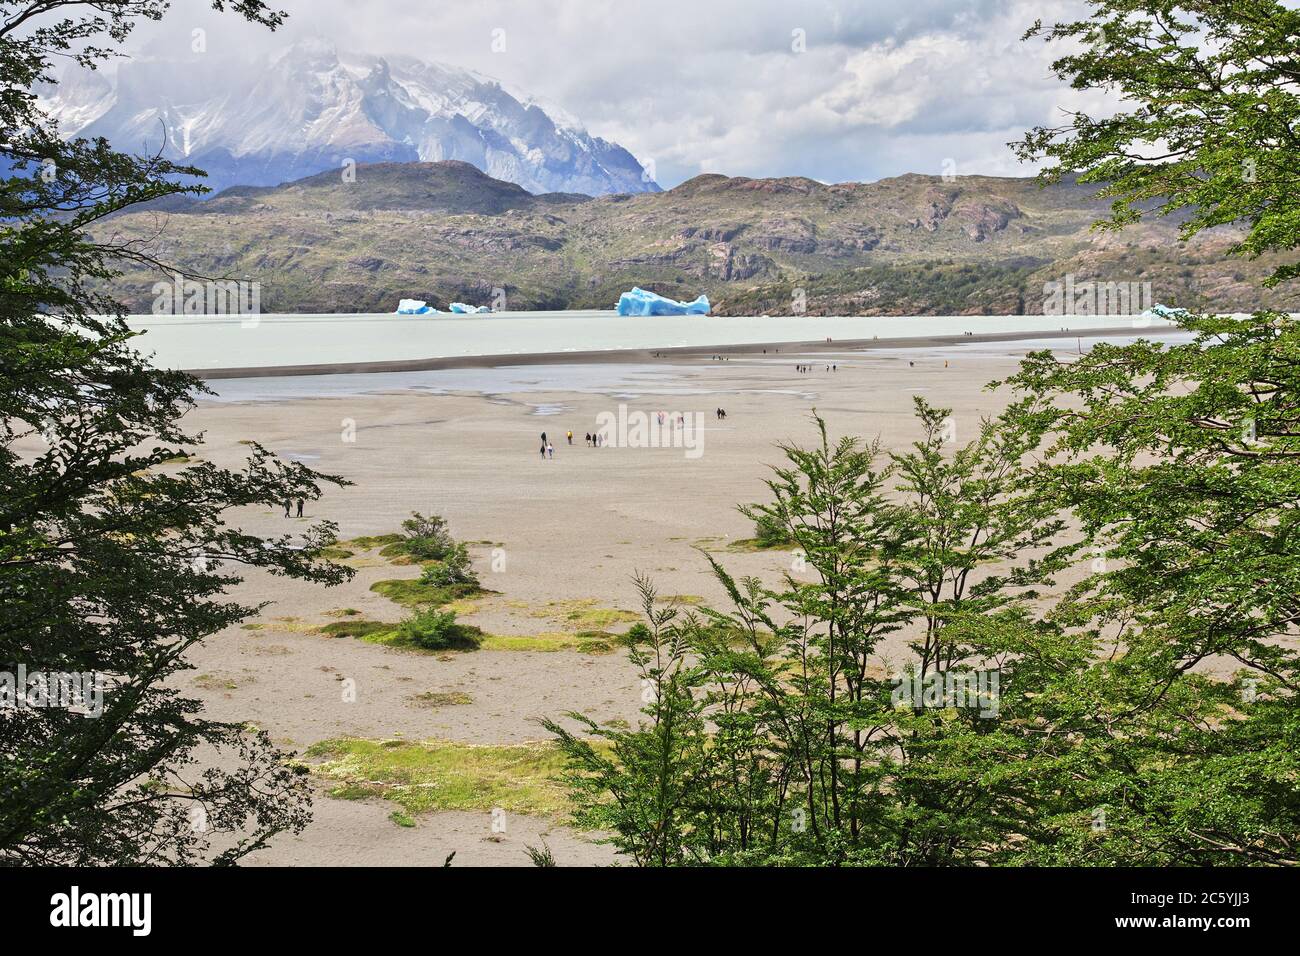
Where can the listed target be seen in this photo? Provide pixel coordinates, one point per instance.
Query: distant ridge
(909, 245)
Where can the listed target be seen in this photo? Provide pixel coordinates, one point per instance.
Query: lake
(211, 342)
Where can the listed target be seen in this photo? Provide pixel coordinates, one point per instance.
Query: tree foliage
(1208, 129)
(114, 559)
(775, 733)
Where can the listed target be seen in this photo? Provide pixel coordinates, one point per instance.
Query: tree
(648, 786)
(1179, 463)
(114, 559)
(1211, 97)
(775, 733)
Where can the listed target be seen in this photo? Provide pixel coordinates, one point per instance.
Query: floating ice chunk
(414, 307)
(460, 308)
(1165, 312)
(641, 302)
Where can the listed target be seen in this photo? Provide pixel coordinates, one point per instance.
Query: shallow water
(620, 380)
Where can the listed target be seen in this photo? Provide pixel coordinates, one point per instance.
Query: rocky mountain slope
(310, 108)
(908, 245)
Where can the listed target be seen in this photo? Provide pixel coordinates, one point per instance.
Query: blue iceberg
(460, 308)
(641, 302)
(1165, 312)
(414, 307)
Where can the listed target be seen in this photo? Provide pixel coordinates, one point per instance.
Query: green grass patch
(432, 699)
(584, 642)
(583, 613)
(750, 545)
(222, 681)
(411, 592)
(396, 549)
(692, 599)
(598, 617)
(355, 791)
(434, 775)
(388, 634)
(454, 637)
(367, 542)
(356, 628)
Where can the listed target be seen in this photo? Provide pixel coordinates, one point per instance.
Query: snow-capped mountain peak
(310, 107)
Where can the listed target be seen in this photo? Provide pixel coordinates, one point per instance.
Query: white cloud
(884, 87)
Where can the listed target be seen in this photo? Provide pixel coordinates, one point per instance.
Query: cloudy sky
(832, 89)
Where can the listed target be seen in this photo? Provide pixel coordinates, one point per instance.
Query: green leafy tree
(1207, 129)
(113, 559)
(1179, 463)
(777, 731)
(649, 787)
(776, 737)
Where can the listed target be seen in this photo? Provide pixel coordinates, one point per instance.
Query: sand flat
(572, 529)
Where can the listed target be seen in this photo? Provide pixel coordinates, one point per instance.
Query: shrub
(427, 538)
(436, 630)
(769, 531)
(454, 568)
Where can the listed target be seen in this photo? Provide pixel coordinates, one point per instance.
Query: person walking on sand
(300, 503)
(569, 435)
(287, 502)
(550, 450)
(543, 451)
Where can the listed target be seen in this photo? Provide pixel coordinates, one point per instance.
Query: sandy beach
(553, 539)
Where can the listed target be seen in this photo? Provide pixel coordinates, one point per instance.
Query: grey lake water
(199, 342)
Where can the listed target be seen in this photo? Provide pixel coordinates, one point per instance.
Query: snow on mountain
(309, 108)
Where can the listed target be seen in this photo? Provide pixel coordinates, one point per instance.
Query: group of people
(808, 368)
(662, 417)
(288, 504)
(721, 413)
(547, 450)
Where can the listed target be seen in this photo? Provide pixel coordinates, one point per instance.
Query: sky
(835, 90)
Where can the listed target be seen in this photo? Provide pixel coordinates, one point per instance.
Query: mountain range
(309, 108)
(446, 231)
